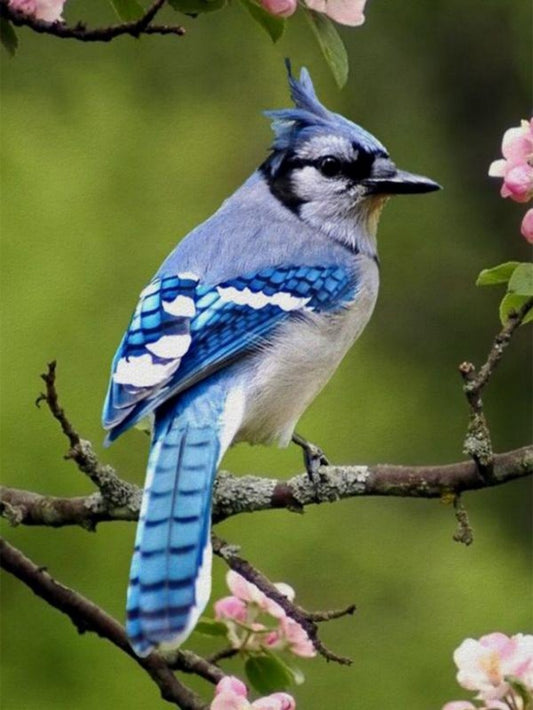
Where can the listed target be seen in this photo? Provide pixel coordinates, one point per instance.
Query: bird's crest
(308, 111)
(309, 118)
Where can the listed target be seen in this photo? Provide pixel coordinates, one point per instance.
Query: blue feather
(172, 534)
(220, 330)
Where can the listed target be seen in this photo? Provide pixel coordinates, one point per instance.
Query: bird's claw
(313, 455)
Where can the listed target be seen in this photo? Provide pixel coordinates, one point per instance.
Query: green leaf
(8, 36)
(267, 674)
(512, 302)
(210, 627)
(521, 282)
(273, 26)
(196, 7)
(331, 45)
(128, 10)
(296, 674)
(497, 275)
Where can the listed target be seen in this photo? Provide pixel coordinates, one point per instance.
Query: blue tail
(170, 577)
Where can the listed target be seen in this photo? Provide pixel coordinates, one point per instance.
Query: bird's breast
(287, 373)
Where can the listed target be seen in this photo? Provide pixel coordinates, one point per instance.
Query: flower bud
(280, 8)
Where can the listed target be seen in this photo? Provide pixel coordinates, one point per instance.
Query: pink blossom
(276, 701)
(256, 640)
(296, 638)
(523, 668)
(231, 684)
(47, 10)
(280, 8)
(516, 166)
(231, 694)
(291, 636)
(518, 183)
(244, 590)
(345, 12)
(273, 639)
(466, 705)
(248, 592)
(244, 607)
(527, 226)
(228, 701)
(28, 7)
(230, 608)
(484, 664)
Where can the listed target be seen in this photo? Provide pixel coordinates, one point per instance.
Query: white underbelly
(282, 379)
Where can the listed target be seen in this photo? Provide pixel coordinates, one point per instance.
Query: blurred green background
(111, 153)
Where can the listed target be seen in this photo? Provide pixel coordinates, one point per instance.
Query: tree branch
(247, 494)
(21, 507)
(189, 662)
(86, 616)
(307, 620)
(81, 32)
(234, 495)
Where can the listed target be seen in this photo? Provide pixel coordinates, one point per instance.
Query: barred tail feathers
(170, 578)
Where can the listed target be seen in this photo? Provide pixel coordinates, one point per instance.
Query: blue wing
(183, 330)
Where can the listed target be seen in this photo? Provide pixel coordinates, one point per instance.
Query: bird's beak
(386, 179)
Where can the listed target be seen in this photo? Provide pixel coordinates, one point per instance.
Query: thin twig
(478, 442)
(51, 399)
(86, 616)
(82, 33)
(305, 619)
(319, 616)
(116, 492)
(501, 341)
(464, 532)
(221, 655)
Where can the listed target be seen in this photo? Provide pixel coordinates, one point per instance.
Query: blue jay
(238, 331)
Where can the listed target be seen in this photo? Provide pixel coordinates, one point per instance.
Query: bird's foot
(314, 457)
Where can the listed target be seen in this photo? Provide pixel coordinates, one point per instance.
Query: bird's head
(327, 169)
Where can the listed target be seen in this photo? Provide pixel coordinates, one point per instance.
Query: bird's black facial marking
(279, 181)
(361, 166)
(331, 167)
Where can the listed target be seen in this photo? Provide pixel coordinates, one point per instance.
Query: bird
(238, 331)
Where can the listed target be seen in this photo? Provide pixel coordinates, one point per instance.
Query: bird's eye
(329, 166)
